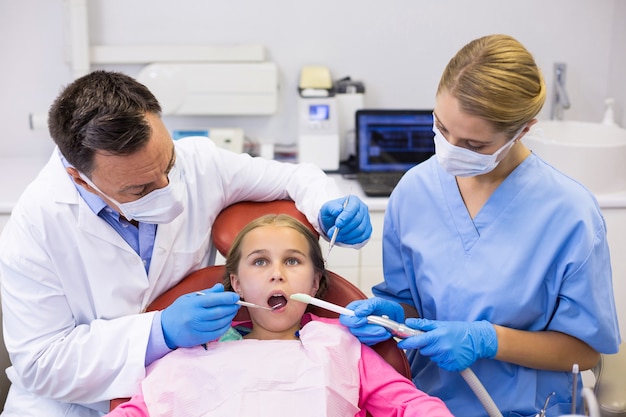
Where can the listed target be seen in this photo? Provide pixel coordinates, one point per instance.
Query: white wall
(397, 48)
(617, 62)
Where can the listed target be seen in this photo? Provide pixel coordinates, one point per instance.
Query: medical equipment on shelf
(402, 331)
(333, 239)
(231, 138)
(318, 125)
(350, 96)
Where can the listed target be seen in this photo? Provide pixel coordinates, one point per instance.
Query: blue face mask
(160, 206)
(462, 162)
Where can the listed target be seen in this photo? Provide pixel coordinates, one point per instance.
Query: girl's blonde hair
(496, 78)
(281, 220)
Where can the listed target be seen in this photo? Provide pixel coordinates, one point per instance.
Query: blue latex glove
(370, 334)
(193, 319)
(454, 345)
(353, 221)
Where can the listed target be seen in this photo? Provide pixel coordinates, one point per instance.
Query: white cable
(479, 390)
(591, 401)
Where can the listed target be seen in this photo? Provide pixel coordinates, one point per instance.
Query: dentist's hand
(370, 334)
(453, 345)
(194, 319)
(353, 221)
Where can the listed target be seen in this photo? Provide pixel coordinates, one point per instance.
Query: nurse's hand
(353, 221)
(370, 334)
(453, 345)
(197, 318)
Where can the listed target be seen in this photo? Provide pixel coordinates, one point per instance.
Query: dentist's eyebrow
(140, 187)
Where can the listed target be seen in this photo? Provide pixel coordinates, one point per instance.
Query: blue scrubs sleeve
(586, 304)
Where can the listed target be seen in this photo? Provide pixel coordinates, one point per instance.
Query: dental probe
(402, 331)
(246, 304)
(336, 231)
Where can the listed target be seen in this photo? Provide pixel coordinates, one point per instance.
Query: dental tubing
(479, 390)
(468, 375)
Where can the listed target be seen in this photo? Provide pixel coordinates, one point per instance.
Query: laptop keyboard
(379, 184)
(385, 179)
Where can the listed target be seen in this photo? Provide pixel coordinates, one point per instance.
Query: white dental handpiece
(396, 329)
(307, 299)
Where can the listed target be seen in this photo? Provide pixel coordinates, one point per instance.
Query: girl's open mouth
(277, 301)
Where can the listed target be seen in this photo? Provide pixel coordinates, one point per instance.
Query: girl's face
(275, 263)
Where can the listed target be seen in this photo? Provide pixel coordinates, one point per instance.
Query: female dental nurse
(503, 258)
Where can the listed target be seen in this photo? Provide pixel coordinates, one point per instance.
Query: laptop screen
(393, 140)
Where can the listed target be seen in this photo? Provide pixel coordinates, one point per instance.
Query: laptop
(388, 144)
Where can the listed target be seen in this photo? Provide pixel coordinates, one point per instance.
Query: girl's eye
(260, 262)
(292, 261)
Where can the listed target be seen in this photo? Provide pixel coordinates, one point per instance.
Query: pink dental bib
(315, 376)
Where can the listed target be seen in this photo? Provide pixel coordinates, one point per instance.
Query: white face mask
(160, 206)
(462, 162)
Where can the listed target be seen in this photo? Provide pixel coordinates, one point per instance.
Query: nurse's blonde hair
(496, 79)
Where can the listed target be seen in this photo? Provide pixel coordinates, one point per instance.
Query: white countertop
(350, 186)
(17, 173)
(606, 201)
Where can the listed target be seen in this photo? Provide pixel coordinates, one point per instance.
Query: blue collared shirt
(140, 238)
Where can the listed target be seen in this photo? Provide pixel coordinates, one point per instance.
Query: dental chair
(226, 226)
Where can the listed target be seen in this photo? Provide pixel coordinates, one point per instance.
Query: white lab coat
(73, 291)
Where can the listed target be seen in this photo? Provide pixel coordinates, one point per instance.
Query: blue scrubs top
(534, 258)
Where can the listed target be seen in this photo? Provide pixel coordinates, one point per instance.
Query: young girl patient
(285, 362)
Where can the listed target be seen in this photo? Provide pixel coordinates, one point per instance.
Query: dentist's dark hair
(280, 220)
(101, 112)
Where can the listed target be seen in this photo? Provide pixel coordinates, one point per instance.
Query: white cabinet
(371, 256)
(363, 267)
